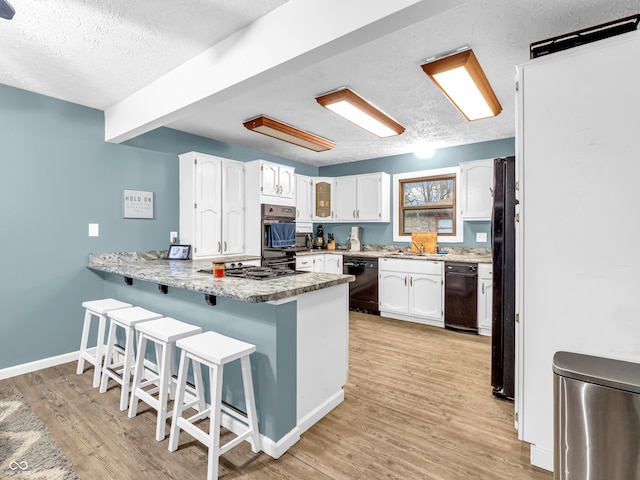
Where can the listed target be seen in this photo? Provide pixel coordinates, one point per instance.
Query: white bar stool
(127, 319)
(96, 308)
(163, 332)
(214, 351)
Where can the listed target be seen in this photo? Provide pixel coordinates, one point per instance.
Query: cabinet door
(303, 199)
(369, 199)
(318, 263)
(269, 179)
(477, 182)
(322, 199)
(332, 263)
(208, 211)
(425, 296)
(393, 292)
(233, 208)
(286, 182)
(344, 207)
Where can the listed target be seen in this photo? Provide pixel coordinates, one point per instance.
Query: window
(428, 205)
(425, 201)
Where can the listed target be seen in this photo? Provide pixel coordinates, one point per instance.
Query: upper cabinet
(211, 204)
(304, 198)
(277, 180)
(345, 198)
(476, 189)
(276, 183)
(360, 198)
(373, 198)
(322, 195)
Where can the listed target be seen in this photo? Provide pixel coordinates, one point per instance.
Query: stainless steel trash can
(596, 418)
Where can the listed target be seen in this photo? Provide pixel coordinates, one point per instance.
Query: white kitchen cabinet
(345, 207)
(276, 183)
(373, 198)
(305, 263)
(362, 198)
(393, 291)
(320, 263)
(322, 194)
(304, 199)
(476, 179)
(211, 204)
(412, 290)
(485, 298)
(333, 263)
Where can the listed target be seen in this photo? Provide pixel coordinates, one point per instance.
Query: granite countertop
(468, 256)
(152, 266)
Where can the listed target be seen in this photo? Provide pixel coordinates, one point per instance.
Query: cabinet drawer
(411, 266)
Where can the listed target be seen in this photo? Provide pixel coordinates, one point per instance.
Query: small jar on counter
(218, 268)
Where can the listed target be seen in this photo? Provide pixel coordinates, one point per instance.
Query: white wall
(579, 279)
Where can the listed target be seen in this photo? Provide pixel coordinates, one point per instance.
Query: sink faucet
(419, 247)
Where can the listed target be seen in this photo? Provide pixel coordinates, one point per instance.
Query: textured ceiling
(98, 53)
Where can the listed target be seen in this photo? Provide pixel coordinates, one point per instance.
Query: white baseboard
(39, 364)
(408, 318)
(306, 422)
(541, 458)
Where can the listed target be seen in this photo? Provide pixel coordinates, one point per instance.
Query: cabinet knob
(219, 247)
(225, 246)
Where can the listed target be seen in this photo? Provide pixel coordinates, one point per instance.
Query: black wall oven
(278, 227)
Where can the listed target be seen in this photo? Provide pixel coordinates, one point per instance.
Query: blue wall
(58, 175)
(382, 233)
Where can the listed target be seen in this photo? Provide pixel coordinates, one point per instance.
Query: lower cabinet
(412, 290)
(485, 298)
(319, 263)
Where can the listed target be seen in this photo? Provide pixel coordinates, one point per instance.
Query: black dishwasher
(363, 292)
(461, 297)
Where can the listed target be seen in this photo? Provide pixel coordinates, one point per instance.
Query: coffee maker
(318, 241)
(355, 239)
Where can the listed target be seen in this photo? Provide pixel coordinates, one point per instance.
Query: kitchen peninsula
(299, 324)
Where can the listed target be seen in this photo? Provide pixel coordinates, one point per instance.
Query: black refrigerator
(503, 237)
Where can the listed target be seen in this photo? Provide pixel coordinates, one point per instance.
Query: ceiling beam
(296, 35)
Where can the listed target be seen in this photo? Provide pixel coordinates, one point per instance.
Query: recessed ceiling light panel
(462, 80)
(352, 107)
(287, 133)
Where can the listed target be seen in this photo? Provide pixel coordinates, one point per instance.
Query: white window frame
(459, 236)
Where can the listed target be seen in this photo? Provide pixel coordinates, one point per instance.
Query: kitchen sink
(409, 254)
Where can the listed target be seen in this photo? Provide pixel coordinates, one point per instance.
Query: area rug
(27, 450)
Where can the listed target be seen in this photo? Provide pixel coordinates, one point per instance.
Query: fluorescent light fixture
(352, 107)
(282, 131)
(462, 80)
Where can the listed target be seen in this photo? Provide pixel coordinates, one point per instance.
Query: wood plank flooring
(418, 405)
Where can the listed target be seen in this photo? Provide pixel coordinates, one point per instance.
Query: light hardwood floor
(418, 405)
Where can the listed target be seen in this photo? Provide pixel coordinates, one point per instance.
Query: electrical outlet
(481, 237)
(94, 230)
(173, 237)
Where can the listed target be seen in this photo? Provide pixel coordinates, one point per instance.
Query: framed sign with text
(137, 204)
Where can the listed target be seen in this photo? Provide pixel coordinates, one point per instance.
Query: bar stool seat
(127, 319)
(163, 332)
(99, 309)
(214, 351)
